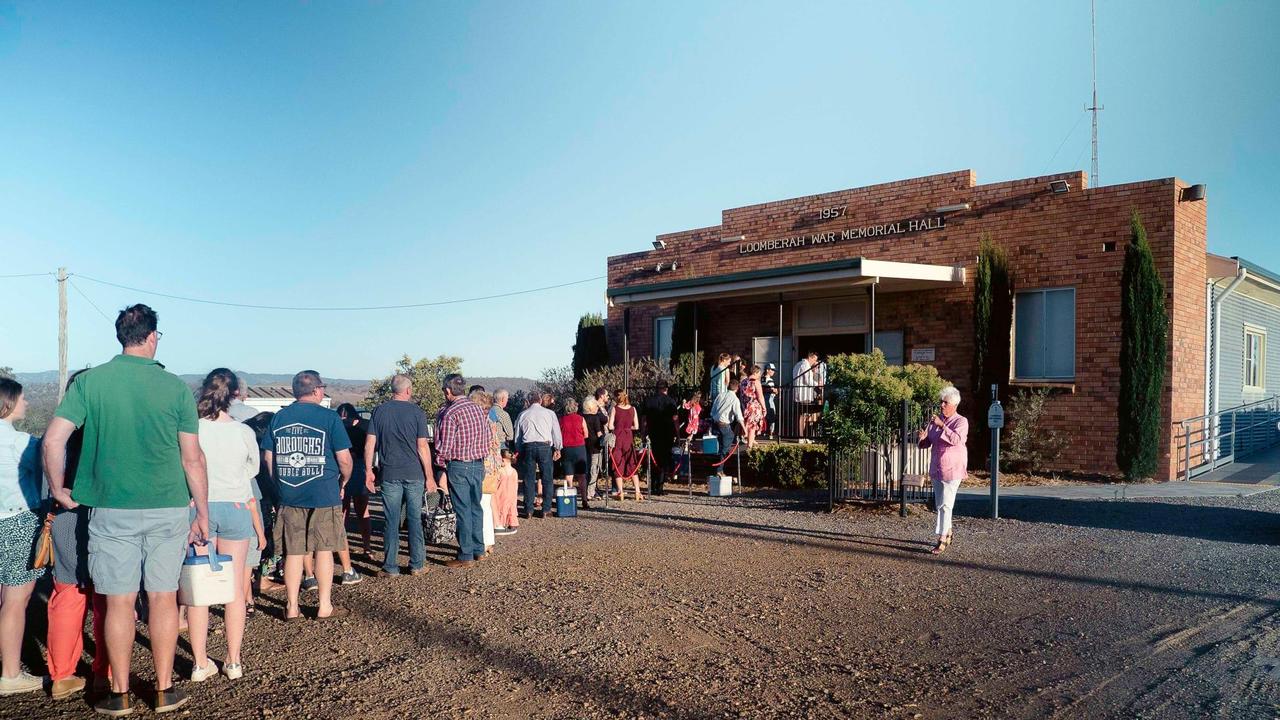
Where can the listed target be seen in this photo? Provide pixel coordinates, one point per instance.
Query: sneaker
(200, 674)
(66, 687)
(234, 671)
(171, 699)
(115, 704)
(504, 531)
(20, 683)
(415, 572)
(310, 583)
(351, 578)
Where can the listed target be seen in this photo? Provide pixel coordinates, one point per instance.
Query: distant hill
(48, 377)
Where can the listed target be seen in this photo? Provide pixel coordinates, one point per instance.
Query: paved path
(1116, 491)
(1260, 468)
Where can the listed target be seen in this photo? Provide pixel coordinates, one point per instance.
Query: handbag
(440, 523)
(490, 484)
(44, 545)
(206, 579)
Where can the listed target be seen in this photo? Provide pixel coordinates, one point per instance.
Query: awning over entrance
(886, 276)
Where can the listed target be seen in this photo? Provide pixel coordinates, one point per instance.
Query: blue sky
(337, 154)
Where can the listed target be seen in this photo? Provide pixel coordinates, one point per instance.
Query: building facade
(891, 266)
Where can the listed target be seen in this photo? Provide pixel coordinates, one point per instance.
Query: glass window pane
(662, 329)
(1028, 352)
(849, 315)
(1060, 333)
(815, 316)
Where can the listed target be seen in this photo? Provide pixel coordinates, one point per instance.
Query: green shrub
(865, 394)
(788, 466)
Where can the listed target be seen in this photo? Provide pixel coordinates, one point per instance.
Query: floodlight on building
(674, 264)
(1059, 186)
(1195, 193)
(733, 239)
(952, 208)
(659, 244)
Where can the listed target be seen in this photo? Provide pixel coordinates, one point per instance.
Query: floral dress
(753, 412)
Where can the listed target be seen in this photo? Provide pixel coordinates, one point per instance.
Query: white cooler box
(720, 485)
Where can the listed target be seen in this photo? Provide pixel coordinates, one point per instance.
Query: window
(1044, 335)
(1255, 358)
(831, 317)
(663, 327)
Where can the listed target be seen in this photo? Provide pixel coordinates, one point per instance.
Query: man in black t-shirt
(398, 439)
(659, 425)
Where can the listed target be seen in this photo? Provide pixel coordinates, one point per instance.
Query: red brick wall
(1054, 240)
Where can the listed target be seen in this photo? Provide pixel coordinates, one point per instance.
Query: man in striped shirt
(462, 442)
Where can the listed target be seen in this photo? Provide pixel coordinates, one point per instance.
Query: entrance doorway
(828, 345)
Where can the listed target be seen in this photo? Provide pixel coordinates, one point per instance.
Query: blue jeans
(466, 478)
(394, 494)
(727, 438)
(538, 455)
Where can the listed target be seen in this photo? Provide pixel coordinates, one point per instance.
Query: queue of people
(139, 473)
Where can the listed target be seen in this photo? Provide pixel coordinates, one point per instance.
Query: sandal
(940, 548)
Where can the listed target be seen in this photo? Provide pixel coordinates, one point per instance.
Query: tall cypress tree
(590, 349)
(1144, 329)
(992, 324)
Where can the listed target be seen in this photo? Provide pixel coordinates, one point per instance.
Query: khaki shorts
(308, 530)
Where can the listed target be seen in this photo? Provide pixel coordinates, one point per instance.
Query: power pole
(62, 332)
(1094, 179)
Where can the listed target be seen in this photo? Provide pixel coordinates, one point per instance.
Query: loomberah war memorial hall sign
(854, 233)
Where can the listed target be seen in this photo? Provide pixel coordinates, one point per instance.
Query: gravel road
(761, 607)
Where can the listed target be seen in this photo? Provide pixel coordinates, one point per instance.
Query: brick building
(891, 266)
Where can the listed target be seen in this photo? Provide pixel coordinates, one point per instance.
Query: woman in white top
(231, 454)
(20, 504)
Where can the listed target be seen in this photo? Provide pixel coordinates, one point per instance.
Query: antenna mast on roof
(1093, 24)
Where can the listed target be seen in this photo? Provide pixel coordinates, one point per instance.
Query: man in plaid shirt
(462, 442)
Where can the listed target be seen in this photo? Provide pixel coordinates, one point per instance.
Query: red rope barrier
(732, 450)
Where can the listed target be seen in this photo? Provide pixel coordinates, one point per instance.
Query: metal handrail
(1205, 435)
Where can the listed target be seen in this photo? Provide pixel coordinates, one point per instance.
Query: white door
(765, 350)
(890, 343)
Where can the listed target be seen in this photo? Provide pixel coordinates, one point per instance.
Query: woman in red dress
(753, 410)
(623, 422)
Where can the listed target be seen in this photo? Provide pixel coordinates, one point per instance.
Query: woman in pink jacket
(949, 460)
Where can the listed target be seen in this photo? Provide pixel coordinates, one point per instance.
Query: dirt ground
(762, 607)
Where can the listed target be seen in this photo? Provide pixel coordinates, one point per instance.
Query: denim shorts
(130, 548)
(229, 520)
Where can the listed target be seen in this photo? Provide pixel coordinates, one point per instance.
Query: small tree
(1026, 444)
(992, 324)
(558, 381)
(1144, 327)
(427, 376)
(590, 350)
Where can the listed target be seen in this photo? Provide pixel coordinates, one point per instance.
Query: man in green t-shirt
(140, 467)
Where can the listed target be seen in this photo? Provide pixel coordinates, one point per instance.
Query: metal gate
(894, 467)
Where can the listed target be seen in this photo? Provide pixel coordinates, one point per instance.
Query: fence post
(1186, 437)
(902, 459)
(831, 480)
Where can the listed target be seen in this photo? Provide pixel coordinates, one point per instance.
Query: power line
(1049, 165)
(91, 302)
(22, 275)
(436, 303)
